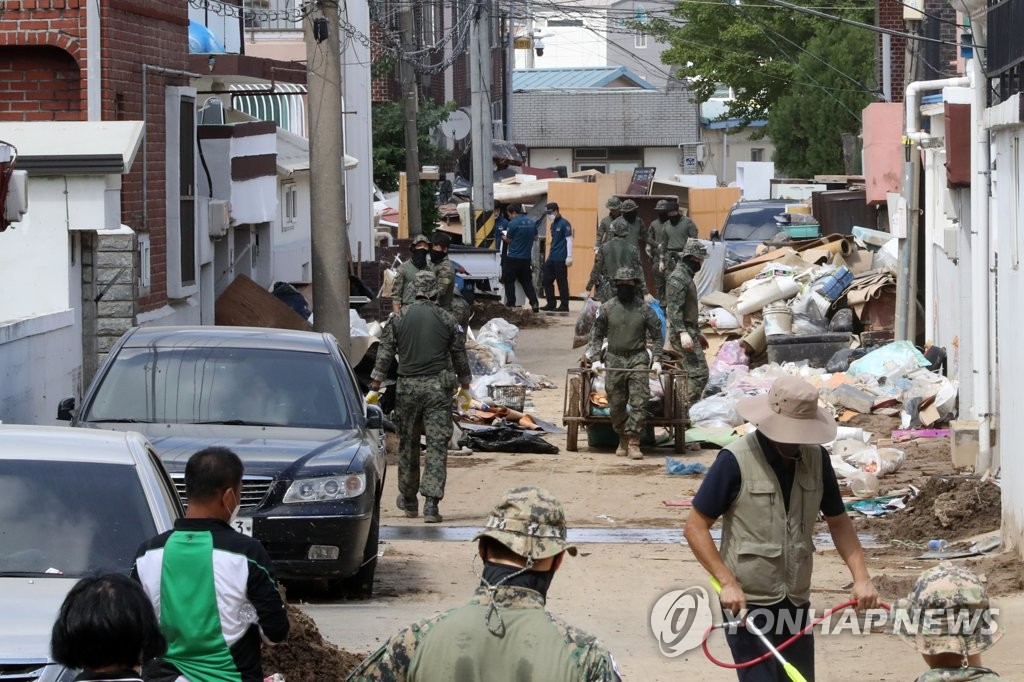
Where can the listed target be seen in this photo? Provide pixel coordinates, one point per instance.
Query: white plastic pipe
(980, 246)
(912, 102)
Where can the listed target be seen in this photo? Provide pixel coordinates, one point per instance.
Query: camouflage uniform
(504, 630)
(426, 338)
(604, 228)
(674, 240)
(627, 326)
(402, 290)
(617, 253)
(941, 590)
(445, 274)
(655, 234)
(681, 296)
(635, 227)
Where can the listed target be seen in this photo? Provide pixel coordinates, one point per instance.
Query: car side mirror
(715, 235)
(66, 410)
(374, 417)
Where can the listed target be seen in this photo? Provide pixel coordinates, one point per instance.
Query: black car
(750, 224)
(288, 403)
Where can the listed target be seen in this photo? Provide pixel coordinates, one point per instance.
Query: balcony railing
(272, 15)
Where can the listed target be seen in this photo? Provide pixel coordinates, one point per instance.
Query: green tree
(807, 122)
(389, 150)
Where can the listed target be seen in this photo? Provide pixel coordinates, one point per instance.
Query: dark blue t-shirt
(522, 231)
(560, 231)
(721, 485)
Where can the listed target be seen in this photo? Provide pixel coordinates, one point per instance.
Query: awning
(74, 147)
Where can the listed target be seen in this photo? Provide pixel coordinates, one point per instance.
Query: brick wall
(889, 14)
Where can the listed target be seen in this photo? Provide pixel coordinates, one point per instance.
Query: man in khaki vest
(768, 488)
(504, 633)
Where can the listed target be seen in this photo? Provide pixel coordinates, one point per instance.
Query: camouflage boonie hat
(424, 285)
(530, 522)
(947, 595)
(628, 205)
(613, 203)
(620, 228)
(695, 248)
(419, 239)
(625, 273)
(663, 205)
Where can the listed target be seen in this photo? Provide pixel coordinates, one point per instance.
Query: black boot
(430, 511)
(410, 506)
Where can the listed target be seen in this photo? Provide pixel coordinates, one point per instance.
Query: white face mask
(238, 506)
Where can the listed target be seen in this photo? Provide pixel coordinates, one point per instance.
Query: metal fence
(254, 21)
(1005, 47)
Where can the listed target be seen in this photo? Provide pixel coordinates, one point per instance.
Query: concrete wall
(292, 246)
(641, 56)
(665, 160)
(548, 158)
(40, 364)
(722, 149)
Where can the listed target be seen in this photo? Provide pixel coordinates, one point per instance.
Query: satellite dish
(456, 126)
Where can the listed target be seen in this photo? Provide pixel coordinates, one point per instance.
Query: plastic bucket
(778, 319)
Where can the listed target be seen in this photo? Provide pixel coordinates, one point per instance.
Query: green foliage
(807, 122)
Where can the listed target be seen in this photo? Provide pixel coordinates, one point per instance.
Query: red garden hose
(768, 654)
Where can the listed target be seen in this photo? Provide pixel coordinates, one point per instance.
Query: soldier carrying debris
(627, 323)
(684, 334)
(679, 230)
(617, 253)
(655, 234)
(504, 632)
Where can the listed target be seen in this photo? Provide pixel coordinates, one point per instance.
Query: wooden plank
(246, 304)
(403, 209)
(622, 180)
(577, 202)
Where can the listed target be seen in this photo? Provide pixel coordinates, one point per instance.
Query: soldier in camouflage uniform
(604, 228)
(442, 269)
(683, 333)
(679, 230)
(655, 234)
(425, 336)
(630, 213)
(627, 322)
(952, 656)
(504, 633)
(402, 289)
(615, 254)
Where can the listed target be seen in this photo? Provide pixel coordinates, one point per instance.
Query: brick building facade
(930, 60)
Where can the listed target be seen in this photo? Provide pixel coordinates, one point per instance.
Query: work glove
(648, 298)
(703, 341)
(463, 400)
(656, 368)
(585, 360)
(568, 262)
(686, 342)
(661, 265)
(373, 397)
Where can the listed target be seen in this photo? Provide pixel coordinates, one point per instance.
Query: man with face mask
(655, 233)
(504, 630)
(604, 227)
(402, 292)
(678, 230)
(768, 487)
(213, 588)
(442, 268)
(617, 253)
(684, 334)
(628, 323)
(631, 214)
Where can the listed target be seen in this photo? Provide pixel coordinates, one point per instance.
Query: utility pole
(482, 130)
(410, 106)
(327, 175)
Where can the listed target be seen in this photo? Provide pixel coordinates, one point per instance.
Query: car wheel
(360, 585)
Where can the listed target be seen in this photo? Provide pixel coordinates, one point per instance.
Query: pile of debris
(305, 656)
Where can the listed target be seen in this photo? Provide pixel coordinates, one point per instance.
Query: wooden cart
(576, 406)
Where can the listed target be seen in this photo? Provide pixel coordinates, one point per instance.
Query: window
(289, 206)
(640, 40)
(757, 154)
(182, 253)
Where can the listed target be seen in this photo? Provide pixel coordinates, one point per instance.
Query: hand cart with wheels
(576, 405)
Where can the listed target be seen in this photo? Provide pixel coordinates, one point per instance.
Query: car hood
(266, 451)
(28, 608)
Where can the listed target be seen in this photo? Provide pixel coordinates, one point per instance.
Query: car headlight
(326, 488)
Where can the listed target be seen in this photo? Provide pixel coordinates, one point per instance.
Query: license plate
(243, 524)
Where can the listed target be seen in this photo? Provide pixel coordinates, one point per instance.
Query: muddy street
(631, 551)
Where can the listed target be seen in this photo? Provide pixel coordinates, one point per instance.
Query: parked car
(288, 404)
(748, 225)
(72, 502)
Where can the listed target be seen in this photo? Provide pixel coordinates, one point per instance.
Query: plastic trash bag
(717, 407)
(585, 323)
(656, 307)
(677, 467)
(840, 361)
(499, 330)
(894, 358)
(506, 439)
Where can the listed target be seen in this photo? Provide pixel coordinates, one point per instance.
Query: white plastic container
(778, 319)
(761, 295)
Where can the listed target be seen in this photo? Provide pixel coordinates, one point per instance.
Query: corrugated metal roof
(579, 78)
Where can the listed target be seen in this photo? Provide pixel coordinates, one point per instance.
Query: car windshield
(752, 223)
(70, 518)
(219, 385)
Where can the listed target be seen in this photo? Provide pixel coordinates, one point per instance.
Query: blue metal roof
(579, 78)
(712, 111)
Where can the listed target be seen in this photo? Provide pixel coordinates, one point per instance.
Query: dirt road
(610, 588)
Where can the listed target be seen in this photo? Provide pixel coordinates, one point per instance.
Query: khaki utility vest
(770, 550)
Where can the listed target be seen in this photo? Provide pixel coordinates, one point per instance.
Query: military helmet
(628, 205)
(620, 228)
(424, 285)
(695, 248)
(530, 522)
(613, 203)
(419, 239)
(663, 205)
(943, 596)
(625, 273)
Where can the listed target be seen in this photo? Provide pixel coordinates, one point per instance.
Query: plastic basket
(802, 231)
(511, 396)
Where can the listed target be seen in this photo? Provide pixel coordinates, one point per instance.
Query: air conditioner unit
(220, 218)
